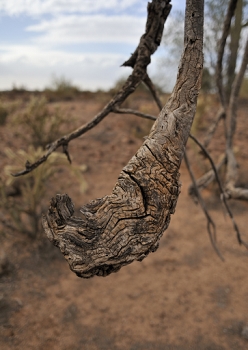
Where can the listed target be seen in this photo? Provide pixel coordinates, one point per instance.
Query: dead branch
(134, 112)
(206, 179)
(147, 81)
(228, 110)
(158, 12)
(126, 225)
(234, 96)
(231, 175)
(210, 133)
(221, 48)
(237, 193)
(210, 223)
(207, 155)
(222, 192)
(222, 113)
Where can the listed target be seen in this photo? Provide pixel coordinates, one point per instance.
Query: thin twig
(66, 152)
(207, 155)
(148, 82)
(157, 14)
(208, 177)
(210, 223)
(210, 133)
(134, 112)
(223, 194)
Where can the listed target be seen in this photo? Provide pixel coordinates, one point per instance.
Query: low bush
(7, 108)
(41, 123)
(61, 89)
(21, 198)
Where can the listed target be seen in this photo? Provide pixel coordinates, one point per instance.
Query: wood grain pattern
(126, 225)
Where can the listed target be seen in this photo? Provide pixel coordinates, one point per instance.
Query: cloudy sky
(84, 41)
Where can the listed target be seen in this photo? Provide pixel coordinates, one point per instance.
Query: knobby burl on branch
(126, 225)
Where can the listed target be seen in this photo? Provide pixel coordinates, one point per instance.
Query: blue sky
(84, 41)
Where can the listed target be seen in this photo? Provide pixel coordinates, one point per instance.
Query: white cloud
(97, 28)
(39, 7)
(70, 22)
(32, 67)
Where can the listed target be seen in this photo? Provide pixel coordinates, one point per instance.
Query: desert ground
(182, 297)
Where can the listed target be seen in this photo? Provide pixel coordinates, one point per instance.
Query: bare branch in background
(231, 175)
(158, 12)
(147, 81)
(210, 223)
(222, 191)
(211, 130)
(221, 48)
(132, 111)
(228, 111)
(206, 179)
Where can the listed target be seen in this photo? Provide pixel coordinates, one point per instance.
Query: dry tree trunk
(232, 172)
(221, 48)
(127, 224)
(228, 96)
(235, 34)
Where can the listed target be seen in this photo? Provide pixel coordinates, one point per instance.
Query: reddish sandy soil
(182, 297)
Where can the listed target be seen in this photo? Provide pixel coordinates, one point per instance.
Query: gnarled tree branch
(127, 224)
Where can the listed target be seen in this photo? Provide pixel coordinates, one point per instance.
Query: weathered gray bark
(229, 102)
(221, 48)
(232, 174)
(127, 224)
(233, 49)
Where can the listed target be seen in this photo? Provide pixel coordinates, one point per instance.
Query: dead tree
(126, 225)
(228, 97)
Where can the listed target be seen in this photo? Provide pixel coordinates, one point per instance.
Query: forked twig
(208, 177)
(157, 14)
(134, 112)
(210, 223)
(210, 133)
(223, 194)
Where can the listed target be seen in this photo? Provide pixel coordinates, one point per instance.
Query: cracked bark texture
(126, 225)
